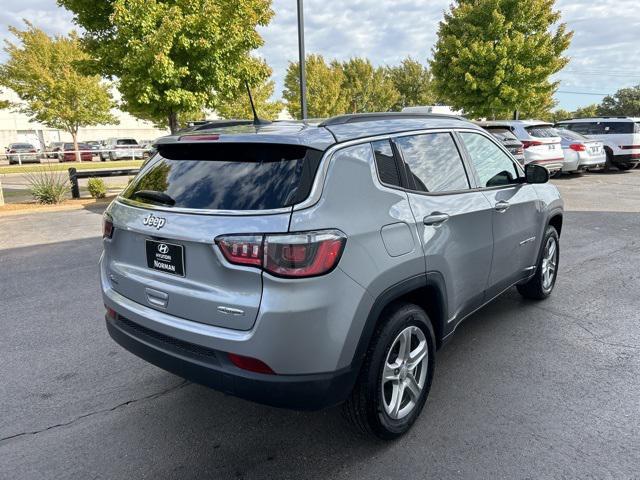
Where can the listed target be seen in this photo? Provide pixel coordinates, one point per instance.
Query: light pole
(302, 58)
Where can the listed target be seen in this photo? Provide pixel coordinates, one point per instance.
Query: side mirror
(536, 173)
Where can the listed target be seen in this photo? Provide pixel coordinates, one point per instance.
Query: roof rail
(372, 117)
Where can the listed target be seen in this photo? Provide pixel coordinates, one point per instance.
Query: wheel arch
(428, 291)
(556, 221)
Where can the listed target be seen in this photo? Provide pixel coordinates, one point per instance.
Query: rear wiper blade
(154, 196)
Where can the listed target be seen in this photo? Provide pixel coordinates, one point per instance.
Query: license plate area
(165, 257)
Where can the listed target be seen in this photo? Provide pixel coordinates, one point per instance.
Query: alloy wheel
(404, 372)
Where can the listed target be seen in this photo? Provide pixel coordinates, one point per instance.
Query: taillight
(12, 151)
(303, 254)
(250, 364)
(295, 255)
(530, 143)
(107, 227)
(241, 249)
(520, 151)
(33, 151)
(578, 147)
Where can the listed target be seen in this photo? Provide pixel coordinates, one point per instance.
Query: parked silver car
(580, 152)
(22, 153)
(539, 139)
(119, 148)
(309, 265)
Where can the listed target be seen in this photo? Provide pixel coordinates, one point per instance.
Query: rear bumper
(552, 165)
(213, 369)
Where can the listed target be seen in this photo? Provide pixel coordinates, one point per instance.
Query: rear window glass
(584, 128)
(502, 133)
(542, 131)
(229, 176)
(569, 135)
(126, 141)
(21, 145)
(386, 163)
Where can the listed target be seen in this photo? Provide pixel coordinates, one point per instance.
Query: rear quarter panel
(354, 201)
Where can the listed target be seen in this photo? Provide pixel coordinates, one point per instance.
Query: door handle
(502, 206)
(435, 219)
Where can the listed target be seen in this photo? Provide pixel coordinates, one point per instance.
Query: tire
(367, 409)
(111, 156)
(539, 286)
(625, 166)
(609, 163)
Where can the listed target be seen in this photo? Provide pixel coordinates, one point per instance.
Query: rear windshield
(502, 133)
(231, 176)
(569, 135)
(126, 141)
(21, 145)
(542, 131)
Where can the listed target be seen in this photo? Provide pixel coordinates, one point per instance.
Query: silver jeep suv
(306, 265)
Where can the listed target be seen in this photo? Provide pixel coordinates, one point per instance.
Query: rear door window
(228, 176)
(493, 166)
(433, 163)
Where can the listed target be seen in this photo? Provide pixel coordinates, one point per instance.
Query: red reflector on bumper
(250, 364)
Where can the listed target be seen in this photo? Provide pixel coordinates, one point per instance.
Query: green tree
(560, 114)
(238, 106)
(413, 81)
(366, 88)
(496, 56)
(625, 102)
(43, 72)
(588, 111)
(173, 56)
(324, 88)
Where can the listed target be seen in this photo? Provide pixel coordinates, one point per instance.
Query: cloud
(604, 53)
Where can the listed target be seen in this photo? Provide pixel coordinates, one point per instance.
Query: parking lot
(524, 389)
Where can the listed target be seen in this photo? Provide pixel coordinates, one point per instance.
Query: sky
(605, 52)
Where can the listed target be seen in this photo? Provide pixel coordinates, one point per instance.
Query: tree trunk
(173, 122)
(1, 194)
(74, 135)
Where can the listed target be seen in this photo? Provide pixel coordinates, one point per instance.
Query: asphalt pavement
(524, 390)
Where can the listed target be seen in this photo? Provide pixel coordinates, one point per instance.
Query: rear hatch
(543, 144)
(162, 253)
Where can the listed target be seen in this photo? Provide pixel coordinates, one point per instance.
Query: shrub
(97, 188)
(48, 186)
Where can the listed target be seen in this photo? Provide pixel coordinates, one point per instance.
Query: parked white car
(620, 136)
(539, 139)
(581, 153)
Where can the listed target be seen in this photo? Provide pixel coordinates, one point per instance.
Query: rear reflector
(111, 313)
(295, 255)
(629, 147)
(250, 364)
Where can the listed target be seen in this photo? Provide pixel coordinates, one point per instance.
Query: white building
(17, 127)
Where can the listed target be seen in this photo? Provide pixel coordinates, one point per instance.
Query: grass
(63, 167)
